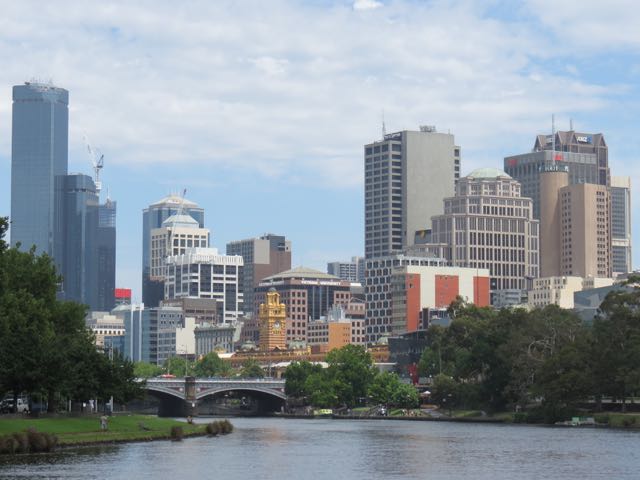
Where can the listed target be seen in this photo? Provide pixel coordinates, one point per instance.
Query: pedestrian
(103, 423)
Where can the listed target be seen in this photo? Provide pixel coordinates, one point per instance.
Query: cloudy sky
(260, 108)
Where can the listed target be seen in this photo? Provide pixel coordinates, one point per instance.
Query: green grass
(85, 430)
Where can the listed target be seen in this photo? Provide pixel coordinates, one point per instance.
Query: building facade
(106, 255)
(621, 225)
(204, 273)
(585, 156)
(39, 154)
(271, 315)
(214, 338)
(560, 290)
(153, 217)
(407, 174)
(352, 271)
(307, 294)
(146, 332)
(263, 257)
(575, 233)
(489, 224)
(415, 290)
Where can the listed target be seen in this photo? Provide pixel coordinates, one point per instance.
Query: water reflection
(324, 448)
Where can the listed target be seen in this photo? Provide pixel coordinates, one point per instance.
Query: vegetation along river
(275, 448)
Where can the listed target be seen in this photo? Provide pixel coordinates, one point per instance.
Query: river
(272, 448)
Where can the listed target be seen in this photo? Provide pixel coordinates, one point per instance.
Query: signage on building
(584, 138)
(393, 136)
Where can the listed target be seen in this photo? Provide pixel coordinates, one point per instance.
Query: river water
(272, 448)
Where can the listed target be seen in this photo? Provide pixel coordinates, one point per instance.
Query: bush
(213, 428)
(177, 433)
(602, 419)
(227, 427)
(221, 427)
(30, 441)
(22, 442)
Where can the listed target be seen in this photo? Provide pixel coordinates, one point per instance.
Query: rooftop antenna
(97, 161)
(571, 124)
(384, 128)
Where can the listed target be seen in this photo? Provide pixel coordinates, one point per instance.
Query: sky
(260, 109)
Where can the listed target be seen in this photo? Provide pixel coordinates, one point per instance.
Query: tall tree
(351, 369)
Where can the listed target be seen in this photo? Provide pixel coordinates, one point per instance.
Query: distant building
(417, 289)
(621, 225)
(122, 296)
(263, 256)
(335, 330)
(489, 224)
(145, 328)
(575, 227)
(378, 318)
(560, 290)
(106, 255)
(204, 273)
(307, 294)
(103, 325)
(153, 217)
(352, 271)
(210, 338)
(39, 155)
(585, 156)
(407, 174)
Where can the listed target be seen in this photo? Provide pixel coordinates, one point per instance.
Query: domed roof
(488, 173)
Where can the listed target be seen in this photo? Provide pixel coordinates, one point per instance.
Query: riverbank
(85, 430)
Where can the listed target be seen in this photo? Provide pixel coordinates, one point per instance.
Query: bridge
(193, 396)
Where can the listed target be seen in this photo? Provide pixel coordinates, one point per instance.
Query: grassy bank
(86, 430)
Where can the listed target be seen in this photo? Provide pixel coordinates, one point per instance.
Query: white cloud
(287, 89)
(366, 4)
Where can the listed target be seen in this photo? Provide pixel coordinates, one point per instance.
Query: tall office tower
(178, 234)
(78, 230)
(407, 174)
(264, 256)
(204, 273)
(152, 217)
(575, 227)
(352, 271)
(106, 256)
(585, 155)
(39, 151)
(621, 225)
(489, 224)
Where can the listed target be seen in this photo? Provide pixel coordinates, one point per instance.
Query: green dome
(488, 173)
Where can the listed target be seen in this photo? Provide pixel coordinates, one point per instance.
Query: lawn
(85, 430)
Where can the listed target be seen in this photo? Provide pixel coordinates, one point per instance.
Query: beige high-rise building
(575, 227)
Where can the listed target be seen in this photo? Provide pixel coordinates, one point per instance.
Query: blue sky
(260, 109)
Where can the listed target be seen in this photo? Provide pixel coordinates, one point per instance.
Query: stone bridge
(183, 396)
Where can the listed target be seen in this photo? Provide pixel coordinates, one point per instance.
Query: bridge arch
(243, 388)
(166, 390)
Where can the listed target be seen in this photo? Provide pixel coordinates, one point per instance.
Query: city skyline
(224, 110)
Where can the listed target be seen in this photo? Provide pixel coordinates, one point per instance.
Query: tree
(321, 389)
(146, 370)
(296, 376)
(251, 369)
(178, 366)
(351, 370)
(387, 389)
(211, 365)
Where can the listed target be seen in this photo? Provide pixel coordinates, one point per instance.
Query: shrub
(213, 428)
(221, 427)
(177, 433)
(227, 426)
(602, 419)
(22, 442)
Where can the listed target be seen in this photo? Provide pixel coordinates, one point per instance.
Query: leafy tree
(405, 396)
(351, 369)
(251, 369)
(211, 365)
(320, 389)
(387, 388)
(178, 366)
(296, 376)
(146, 370)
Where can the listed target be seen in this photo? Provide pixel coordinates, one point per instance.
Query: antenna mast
(384, 128)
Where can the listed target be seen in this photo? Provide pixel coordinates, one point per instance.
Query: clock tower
(272, 323)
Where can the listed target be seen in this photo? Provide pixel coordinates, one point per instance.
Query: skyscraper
(39, 153)
(575, 227)
(106, 256)
(585, 155)
(78, 232)
(621, 225)
(407, 174)
(352, 271)
(153, 217)
(264, 256)
(489, 224)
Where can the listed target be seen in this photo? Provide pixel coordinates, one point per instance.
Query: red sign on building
(122, 293)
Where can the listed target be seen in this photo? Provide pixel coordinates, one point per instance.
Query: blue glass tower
(39, 152)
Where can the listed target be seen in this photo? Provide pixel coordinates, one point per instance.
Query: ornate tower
(272, 323)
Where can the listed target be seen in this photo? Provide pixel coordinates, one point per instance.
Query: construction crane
(97, 161)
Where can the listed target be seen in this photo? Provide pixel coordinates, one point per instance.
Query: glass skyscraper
(39, 151)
